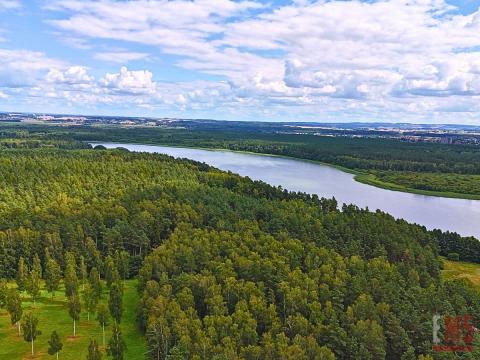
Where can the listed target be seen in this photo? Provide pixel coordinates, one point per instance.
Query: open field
(461, 270)
(53, 315)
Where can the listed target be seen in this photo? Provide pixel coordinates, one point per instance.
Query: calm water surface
(462, 216)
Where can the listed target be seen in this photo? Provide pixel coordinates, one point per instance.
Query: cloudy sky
(290, 60)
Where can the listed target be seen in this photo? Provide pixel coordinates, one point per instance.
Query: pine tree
(115, 302)
(74, 309)
(14, 307)
(21, 277)
(30, 329)
(93, 351)
(55, 344)
(116, 346)
(52, 276)
(102, 317)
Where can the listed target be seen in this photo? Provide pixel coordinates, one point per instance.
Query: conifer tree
(54, 344)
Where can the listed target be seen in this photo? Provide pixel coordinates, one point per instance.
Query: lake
(462, 216)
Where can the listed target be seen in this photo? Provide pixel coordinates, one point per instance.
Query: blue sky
(299, 60)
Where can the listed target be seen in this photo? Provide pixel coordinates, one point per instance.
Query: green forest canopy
(231, 268)
(441, 169)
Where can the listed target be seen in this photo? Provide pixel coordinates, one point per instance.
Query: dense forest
(228, 268)
(436, 169)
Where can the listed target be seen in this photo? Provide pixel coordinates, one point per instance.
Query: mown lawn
(53, 315)
(461, 270)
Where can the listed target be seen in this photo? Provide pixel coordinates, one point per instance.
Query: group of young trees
(89, 287)
(228, 268)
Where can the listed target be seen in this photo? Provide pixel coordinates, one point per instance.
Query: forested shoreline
(427, 168)
(228, 268)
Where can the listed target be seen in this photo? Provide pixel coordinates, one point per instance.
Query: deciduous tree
(93, 351)
(33, 284)
(30, 329)
(52, 276)
(14, 307)
(83, 271)
(95, 281)
(71, 279)
(102, 317)
(115, 302)
(22, 275)
(90, 300)
(116, 346)
(74, 309)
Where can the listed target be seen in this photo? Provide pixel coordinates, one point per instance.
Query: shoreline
(359, 176)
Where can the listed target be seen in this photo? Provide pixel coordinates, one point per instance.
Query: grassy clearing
(371, 179)
(461, 270)
(53, 315)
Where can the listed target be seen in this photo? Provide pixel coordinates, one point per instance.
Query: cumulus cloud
(444, 78)
(348, 84)
(405, 59)
(133, 82)
(72, 75)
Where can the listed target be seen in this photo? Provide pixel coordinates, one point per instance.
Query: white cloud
(24, 67)
(10, 4)
(26, 60)
(74, 42)
(458, 76)
(131, 82)
(121, 57)
(308, 59)
(72, 75)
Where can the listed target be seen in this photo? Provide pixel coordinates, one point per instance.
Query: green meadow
(461, 270)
